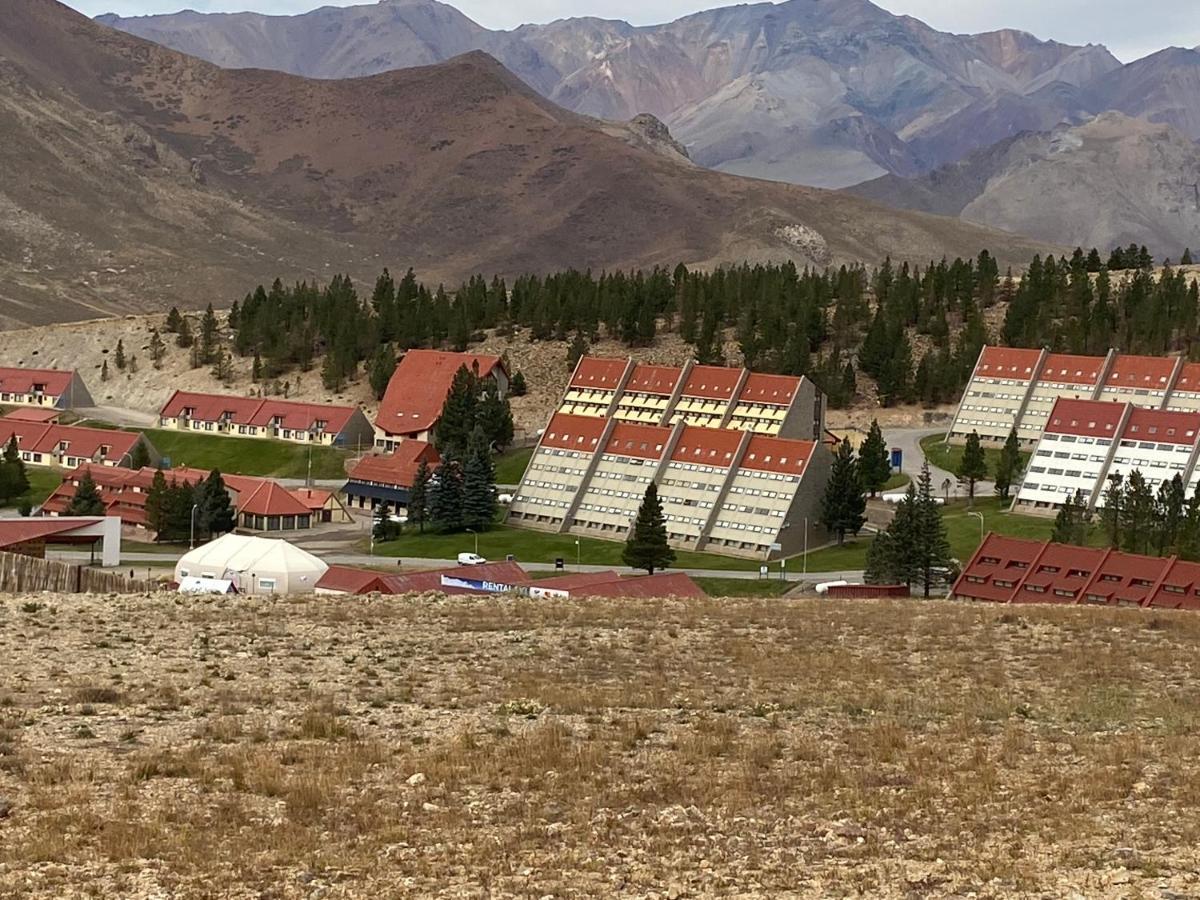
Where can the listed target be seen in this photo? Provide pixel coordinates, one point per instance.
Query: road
(117, 415)
(909, 441)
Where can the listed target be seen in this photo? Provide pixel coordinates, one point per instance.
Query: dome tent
(255, 565)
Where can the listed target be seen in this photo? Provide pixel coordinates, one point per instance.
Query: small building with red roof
(389, 477)
(324, 424)
(69, 446)
(45, 388)
(413, 401)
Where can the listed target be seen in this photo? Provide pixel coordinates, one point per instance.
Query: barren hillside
(419, 746)
(137, 177)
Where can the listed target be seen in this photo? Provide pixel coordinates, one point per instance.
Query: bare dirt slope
(456, 169)
(361, 748)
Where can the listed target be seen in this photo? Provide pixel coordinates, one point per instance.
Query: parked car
(470, 559)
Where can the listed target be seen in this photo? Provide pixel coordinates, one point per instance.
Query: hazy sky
(1129, 30)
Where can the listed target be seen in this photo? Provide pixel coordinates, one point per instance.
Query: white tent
(255, 565)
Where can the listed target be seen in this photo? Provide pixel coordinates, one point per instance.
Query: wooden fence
(25, 574)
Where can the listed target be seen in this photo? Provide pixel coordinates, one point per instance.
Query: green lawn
(948, 456)
(962, 529)
(42, 483)
(897, 481)
(744, 587)
(511, 466)
(541, 547)
(248, 456)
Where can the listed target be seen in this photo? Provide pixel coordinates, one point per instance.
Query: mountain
(135, 177)
(1162, 87)
(820, 92)
(1112, 181)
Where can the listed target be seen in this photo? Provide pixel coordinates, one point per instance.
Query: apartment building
(52, 388)
(1017, 388)
(69, 446)
(413, 401)
(285, 420)
(704, 396)
(1013, 570)
(1084, 442)
(388, 478)
(730, 491)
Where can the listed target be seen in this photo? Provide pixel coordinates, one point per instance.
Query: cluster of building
(1013, 388)
(262, 505)
(1012, 570)
(321, 424)
(736, 456)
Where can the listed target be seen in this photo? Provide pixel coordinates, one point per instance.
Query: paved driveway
(909, 441)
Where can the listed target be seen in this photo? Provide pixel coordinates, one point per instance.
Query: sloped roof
(777, 390)
(660, 380)
(712, 382)
(707, 446)
(1189, 378)
(272, 499)
(1150, 372)
(33, 414)
(1162, 426)
(21, 381)
(243, 553)
(23, 530)
(347, 580)
(1007, 362)
(499, 572)
(567, 432)
(1065, 368)
(1085, 418)
(598, 374)
(398, 468)
(783, 455)
(295, 414)
(36, 437)
(418, 388)
(642, 441)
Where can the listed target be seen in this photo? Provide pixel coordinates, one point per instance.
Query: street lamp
(979, 516)
(476, 533)
(578, 555)
(192, 537)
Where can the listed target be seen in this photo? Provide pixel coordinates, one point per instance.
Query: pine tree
(183, 334)
(1111, 514)
(383, 366)
(891, 558)
(157, 509)
(174, 321)
(874, 461)
(446, 497)
(208, 335)
(87, 501)
(844, 503)
(1137, 515)
(494, 416)
(139, 457)
(972, 467)
(1073, 522)
(157, 349)
(222, 369)
(1170, 510)
(1186, 259)
(479, 487)
(930, 544)
(119, 355)
(216, 514)
(579, 348)
(16, 478)
(256, 368)
(133, 364)
(1008, 466)
(418, 496)
(458, 417)
(517, 386)
(383, 529)
(104, 370)
(647, 547)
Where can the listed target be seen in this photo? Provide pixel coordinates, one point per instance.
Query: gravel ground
(157, 747)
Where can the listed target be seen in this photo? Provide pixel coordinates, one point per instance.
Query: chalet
(286, 420)
(50, 388)
(413, 402)
(388, 477)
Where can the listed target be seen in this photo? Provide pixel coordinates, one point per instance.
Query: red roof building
(34, 414)
(417, 392)
(56, 388)
(69, 446)
(597, 374)
(251, 417)
(389, 477)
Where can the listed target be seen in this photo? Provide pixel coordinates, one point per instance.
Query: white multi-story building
(1084, 442)
(1017, 389)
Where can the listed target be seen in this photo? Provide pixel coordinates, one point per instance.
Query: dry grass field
(415, 747)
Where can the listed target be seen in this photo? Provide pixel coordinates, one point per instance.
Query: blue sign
(897, 459)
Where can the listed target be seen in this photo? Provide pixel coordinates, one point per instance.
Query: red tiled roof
(642, 441)
(272, 499)
(21, 381)
(399, 468)
(567, 432)
(599, 374)
(313, 498)
(1075, 567)
(659, 380)
(1163, 426)
(998, 559)
(707, 446)
(1085, 418)
(498, 572)
(612, 584)
(293, 414)
(351, 581)
(1007, 362)
(1152, 372)
(712, 382)
(772, 454)
(36, 437)
(417, 392)
(1124, 579)
(1189, 378)
(33, 414)
(1178, 588)
(22, 530)
(777, 390)
(1067, 369)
